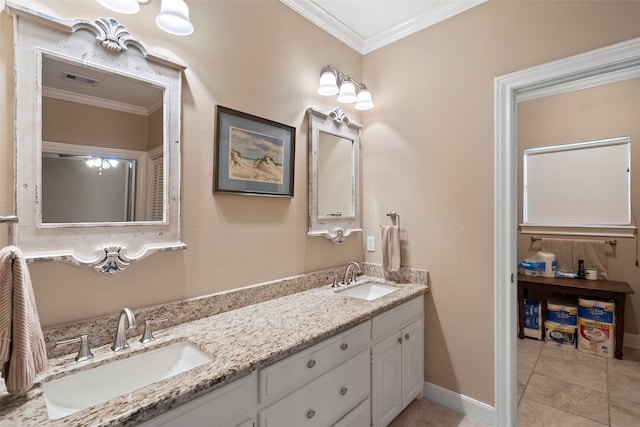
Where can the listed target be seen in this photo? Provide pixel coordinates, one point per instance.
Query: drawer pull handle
(343, 391)
(399, 340)
(311, 364)
(406, 337)
(344, 346)
(311, 413)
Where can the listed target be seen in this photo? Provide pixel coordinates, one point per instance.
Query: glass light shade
(347, 92)
(174, 18)
(364, 101)
(121, 6)
(328, 85)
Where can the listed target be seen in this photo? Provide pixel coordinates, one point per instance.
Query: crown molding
(99, 102)
(328, 23)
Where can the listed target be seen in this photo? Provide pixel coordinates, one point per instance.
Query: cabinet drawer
(395, 319)
(225, 404)
(325, 400)
(358, 417)
(292, 372)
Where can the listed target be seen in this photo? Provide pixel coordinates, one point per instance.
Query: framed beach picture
(253, 156)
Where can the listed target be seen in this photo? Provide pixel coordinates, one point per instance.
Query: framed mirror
(97, 143)
(334, 175)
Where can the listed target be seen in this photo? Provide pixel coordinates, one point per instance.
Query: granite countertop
(239, 341)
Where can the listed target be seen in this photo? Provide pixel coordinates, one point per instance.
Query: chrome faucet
(120, 341)
(346, 279)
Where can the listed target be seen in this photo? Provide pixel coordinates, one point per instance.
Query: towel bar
(611, 242)
(9, 219)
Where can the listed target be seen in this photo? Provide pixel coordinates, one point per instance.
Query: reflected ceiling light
(98, 162)
(334, 82)
(173, 17)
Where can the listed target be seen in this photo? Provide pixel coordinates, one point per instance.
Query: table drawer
(325, 400)
(299, 369)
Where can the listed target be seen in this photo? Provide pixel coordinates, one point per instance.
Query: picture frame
(253, 155)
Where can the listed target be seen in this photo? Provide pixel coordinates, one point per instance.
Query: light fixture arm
(341, 77)
(333, 81)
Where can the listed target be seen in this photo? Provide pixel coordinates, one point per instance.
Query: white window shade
(582, 185)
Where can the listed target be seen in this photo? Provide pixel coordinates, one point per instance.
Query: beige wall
(427, 152)
(259, 57)
(597, 113)
(432, 134)
(74, 123)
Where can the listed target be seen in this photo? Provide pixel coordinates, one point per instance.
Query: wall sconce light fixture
(334, 82)
(173, 17)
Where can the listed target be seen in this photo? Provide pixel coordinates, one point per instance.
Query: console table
(560, 286)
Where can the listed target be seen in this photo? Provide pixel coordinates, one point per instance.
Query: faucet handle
(147, 336)
(334, 284)
(84, 353)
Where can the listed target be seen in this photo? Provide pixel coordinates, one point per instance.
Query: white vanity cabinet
(397, 370)
(232, 405)
(361, 377)
(321, 385)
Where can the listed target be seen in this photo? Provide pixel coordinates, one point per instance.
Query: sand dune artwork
(255, 157)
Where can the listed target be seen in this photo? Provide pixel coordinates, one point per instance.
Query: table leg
(619, 298)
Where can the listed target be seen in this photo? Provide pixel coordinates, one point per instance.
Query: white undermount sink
(73, 393)
(369, 290)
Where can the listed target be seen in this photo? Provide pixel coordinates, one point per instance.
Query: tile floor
(557, 387)
(424, 413)
(564, 387)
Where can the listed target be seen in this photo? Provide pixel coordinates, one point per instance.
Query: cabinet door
(386, 380)
(412, 361)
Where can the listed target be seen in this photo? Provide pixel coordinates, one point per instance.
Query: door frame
(609, 64)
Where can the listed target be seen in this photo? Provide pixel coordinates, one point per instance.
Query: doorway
(609, 64)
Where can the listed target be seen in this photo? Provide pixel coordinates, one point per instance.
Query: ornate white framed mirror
(334, 175)
(97, 135)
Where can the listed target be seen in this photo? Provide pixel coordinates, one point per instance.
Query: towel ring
(395, 218)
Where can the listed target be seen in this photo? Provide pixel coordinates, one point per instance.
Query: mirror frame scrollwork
(106, 45)
(335, 122)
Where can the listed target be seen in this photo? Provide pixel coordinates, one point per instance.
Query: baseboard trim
(459, 403)
(632, 341)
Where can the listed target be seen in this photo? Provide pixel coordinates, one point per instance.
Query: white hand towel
(22, 350)
(390, 248)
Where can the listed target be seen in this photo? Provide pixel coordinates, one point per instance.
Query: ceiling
(75, 82)
(367, 25)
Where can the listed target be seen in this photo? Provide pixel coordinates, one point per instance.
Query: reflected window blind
(157, 196)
